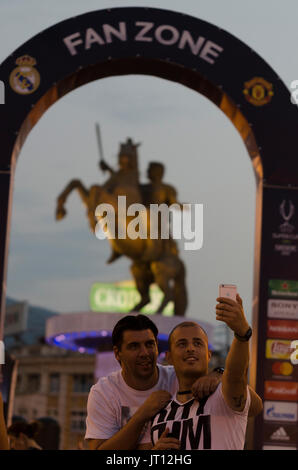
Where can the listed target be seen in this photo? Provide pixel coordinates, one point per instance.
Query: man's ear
(168, 357)
(209, 355)
(116, 353)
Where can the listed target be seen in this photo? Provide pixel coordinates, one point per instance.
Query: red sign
(287, 329)
(286, 391)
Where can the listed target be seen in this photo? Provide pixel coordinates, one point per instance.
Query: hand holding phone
(228, 290)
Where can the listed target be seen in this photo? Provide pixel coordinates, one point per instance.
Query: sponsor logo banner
(277, 390)
(282, 329)
(121, 297)
(280, 411)
(280, 433)
(282, 288)
(278, 349)
(282, 369)
(281, 308)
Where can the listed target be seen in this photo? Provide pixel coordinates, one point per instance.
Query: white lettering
(2, 92)
(160, 217)
(146, 27)
(70, 42)
(2, 353)
(281, 390)
(164, 34)
(294, 355)
(110, 30)
(283, 309)
(197, 235)
(186, 38)
(106, 224)
(140, 221)
(294, 94)
(175, 221)
(167, 42)
(121, 217)
(210, 49)
(91, 37)
(161, 230)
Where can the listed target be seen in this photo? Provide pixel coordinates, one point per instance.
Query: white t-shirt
(212, 426)
(111, 402)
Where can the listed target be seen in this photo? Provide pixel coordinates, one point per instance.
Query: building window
(82, 383)
(78, 421)
(54, 383)
(33, 383)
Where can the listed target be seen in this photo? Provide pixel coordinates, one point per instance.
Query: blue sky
(54, 264)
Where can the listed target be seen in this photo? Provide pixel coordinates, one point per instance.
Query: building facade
(53, 382)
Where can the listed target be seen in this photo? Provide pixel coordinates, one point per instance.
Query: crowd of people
(146, 405)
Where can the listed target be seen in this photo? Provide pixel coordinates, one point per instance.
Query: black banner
(277, 378)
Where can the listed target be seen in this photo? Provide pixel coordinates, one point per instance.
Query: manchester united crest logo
(258, 91)
(24, 79)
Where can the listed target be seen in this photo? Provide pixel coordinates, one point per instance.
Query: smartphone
(228, 290)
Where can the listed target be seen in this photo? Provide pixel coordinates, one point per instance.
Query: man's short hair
(184, 324)
(132, 322)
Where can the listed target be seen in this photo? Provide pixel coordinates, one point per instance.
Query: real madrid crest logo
(24, 79)
(258, 91)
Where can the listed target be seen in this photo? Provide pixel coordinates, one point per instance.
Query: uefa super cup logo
(287, 212)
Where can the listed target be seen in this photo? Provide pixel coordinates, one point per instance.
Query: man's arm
(234, 380)
(105, 167)
(256, 403)
(127, 437)
(207, 385)
(94, 444)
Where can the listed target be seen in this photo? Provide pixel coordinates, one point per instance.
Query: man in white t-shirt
(121, 404)
(218, 422)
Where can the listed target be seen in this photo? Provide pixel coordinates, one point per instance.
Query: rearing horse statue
(152, 260)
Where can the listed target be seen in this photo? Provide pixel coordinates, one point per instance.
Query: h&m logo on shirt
(187, 430)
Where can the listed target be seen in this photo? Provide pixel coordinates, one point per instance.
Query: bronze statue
(152, 260)
(157, 192)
